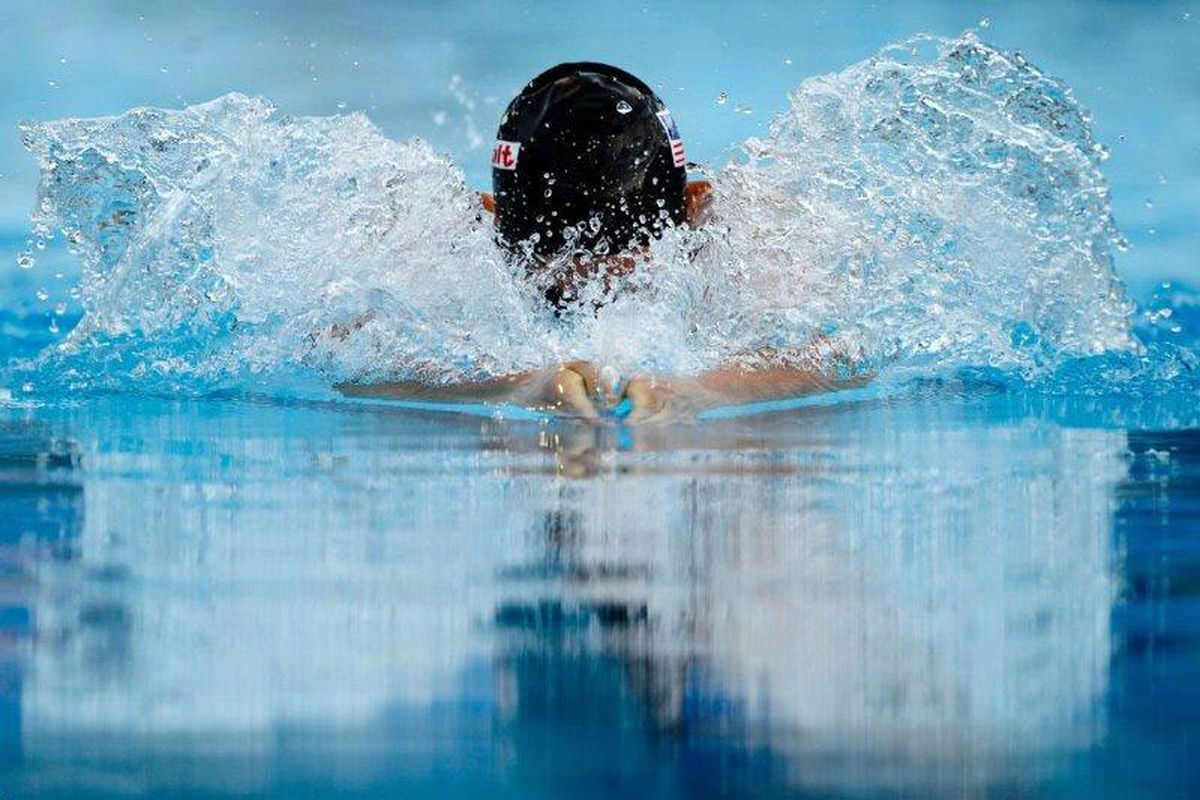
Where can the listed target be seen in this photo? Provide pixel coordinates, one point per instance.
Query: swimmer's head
(587, 161)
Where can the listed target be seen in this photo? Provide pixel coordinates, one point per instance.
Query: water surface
(925, 596)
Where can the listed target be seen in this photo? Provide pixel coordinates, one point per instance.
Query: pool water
(943, 594)
(979, 576)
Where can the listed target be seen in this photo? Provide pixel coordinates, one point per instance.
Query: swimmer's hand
(659, 398)
(574, 389)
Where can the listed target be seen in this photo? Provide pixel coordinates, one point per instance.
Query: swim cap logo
(504, 154)
(673, 137)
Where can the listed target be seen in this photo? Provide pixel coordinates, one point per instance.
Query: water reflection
(264, 598)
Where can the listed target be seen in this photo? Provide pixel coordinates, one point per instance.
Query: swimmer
(588, 167)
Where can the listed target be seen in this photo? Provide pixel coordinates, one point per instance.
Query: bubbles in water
(25, 260)
(722, 99)
(623, 107)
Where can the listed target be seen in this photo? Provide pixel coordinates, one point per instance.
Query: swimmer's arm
(565, 390)
(661, 398)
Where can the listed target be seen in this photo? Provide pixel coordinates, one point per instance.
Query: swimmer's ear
(488, 202)
(697, 203)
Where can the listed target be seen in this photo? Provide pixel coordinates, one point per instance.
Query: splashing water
(936, 207)
(940, 204)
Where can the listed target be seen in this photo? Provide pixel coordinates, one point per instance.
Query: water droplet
(60, 308)
(985, 22)
(27, 387)
(1149, 203)
(42, 295)
(623, 107)
(25, 260)
(549, 192)
(787, 61)
(722, 99)
(62, 60)
(53, 325)
(52, 84)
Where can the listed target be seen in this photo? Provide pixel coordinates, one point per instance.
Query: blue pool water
(977, 577)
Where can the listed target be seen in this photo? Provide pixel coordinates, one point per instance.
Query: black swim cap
(587, 156)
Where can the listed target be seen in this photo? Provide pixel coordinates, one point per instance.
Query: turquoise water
(977, 577)
(940, 595)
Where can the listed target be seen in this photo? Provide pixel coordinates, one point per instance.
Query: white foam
(940, 204)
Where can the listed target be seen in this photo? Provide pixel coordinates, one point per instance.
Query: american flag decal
(673, 137)
(677, 152)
